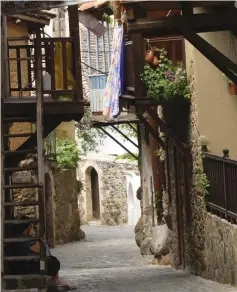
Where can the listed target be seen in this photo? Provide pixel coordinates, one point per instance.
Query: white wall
(134, 208)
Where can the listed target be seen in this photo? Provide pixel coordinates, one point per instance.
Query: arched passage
(92, 194)
(49, 211)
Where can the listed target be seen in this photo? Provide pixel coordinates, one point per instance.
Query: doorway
(95, 195)
(92, 195)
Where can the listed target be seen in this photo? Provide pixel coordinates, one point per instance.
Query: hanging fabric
(58, 59)
(113, 87)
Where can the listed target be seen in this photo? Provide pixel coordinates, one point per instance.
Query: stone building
(61, 203)
(108, 193)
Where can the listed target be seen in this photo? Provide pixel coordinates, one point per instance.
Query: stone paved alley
(110, 261)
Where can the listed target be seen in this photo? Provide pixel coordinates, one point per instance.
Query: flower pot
(155, 61)
(149, 57)
(232, 88)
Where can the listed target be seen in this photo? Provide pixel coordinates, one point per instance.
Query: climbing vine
(202, 183)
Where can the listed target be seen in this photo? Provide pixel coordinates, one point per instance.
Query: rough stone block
(145, 246)
(161, 238)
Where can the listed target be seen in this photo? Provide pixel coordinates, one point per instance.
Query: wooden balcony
(60, 79)
(135, 92)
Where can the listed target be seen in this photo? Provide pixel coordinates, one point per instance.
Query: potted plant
(232, 88)
(166, 80)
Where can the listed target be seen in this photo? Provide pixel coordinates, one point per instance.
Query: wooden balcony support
(125, 136)
(203, 22)
(151, 131)
(223, 63)
(120, 144)
(75, 34)
(163, 128)
(138, 64)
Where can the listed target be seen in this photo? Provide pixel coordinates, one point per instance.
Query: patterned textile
(113, 87)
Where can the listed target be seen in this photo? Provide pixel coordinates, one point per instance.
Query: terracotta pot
(149, 56)
(155, 61)
(232, 88)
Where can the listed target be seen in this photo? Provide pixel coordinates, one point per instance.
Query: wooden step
(22, 221)
(21, 204)
(11, 282)
(19, 135)
(21, 258)
(25, 151)
(20, 119)
(24, 277)
(18, 169)
(20, 239)
(22, 186)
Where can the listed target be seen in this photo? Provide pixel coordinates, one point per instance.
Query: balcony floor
(26, 108)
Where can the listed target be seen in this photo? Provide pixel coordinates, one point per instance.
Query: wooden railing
(222, 176)
(58, 74)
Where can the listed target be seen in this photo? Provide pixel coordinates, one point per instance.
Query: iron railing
(222, 193)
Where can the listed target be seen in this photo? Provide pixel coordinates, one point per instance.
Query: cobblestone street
(110, 261)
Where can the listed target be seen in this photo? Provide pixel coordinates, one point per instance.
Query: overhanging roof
(40, 17)
(18, 7)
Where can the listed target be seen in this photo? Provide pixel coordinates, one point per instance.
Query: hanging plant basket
(232, 88)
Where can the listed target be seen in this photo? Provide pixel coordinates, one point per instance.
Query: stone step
(94, 223)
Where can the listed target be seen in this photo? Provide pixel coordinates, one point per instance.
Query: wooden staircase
(44, 109)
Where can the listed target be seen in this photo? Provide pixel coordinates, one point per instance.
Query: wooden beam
(187, 8)
(120, 144)
(125, 136)
(151, 131)
(138, 63)
(168, 132)
(4, 55)
(75, 34)
(203, 22)
(223, 63)
(40, 149)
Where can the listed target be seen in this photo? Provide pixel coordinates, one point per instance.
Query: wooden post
(138, 64)
(40, 148)
(5, 63)
(75, 34)
(156, 169)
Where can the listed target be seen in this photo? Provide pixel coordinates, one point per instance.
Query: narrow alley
(110, 261)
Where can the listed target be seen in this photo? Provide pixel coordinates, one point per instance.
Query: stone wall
(61, 203)
(67, 220)
(220, 250)
(112, 177)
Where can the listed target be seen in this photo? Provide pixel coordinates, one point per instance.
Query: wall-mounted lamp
(204, 143)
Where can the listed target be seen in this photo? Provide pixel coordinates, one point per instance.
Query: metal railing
(222, 193)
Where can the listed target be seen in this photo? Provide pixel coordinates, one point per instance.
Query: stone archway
(50, 238)
(92, 194)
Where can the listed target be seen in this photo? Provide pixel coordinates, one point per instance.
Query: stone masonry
(220, 250)
(112, 188)
(61, 203)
